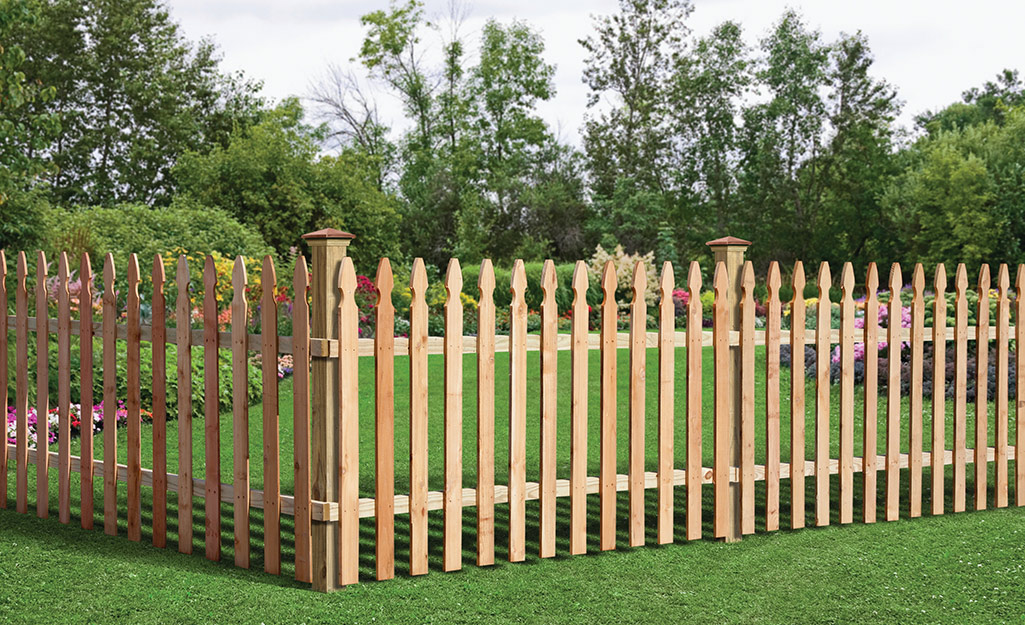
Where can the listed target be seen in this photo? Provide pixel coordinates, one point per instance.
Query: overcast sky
(931, 50)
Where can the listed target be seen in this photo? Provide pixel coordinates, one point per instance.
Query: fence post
(327, 248)
(730, 250)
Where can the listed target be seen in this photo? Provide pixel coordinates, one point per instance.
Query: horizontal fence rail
(313, 526)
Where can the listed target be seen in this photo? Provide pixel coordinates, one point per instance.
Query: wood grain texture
(133, 403)
(384, 423)
(548, 409)
(847, 394)
(666, 401)
(939, 388)
(1019, 386)
(578, 416)
(271, 426)
(452, 546)
(607, 453)
(773, 319)
(4, 355)
(63, 392)
(183, 314)
(870, 436)
(981, 382)
(747, 399)
(109, 398)
(960, 385)
(822, 360)
(485, 491)
(348, 422)
(893, 338)
(917, 373)
(638, 324)
(21, 385)
(723, 420)
(797, 405)
(1003, 347)
(211, 413)
(158, 351)
(518, 414)
(42, 390)
(240, 410)
(694, 386)
(85, 310)
(301, 421)
(418, 419)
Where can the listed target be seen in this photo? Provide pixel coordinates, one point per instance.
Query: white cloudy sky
(930, 49)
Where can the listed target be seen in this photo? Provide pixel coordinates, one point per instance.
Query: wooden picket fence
(326, 348)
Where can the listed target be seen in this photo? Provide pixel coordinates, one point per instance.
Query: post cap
(728, 240)
(328, 233)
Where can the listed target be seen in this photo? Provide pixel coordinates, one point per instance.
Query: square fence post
(730, 250)
(327, 248)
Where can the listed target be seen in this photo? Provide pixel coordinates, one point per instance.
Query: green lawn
(955, 568)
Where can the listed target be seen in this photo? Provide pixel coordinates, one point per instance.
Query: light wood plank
(666, 400)
(870, 437)
(4, 355)
(183, 319)
(109, 399)
(847, 394)
(773, 318)
(939, 388)
(1019, 386)
(960, 385)
(694, 387)
(638, 323)
(917, 373)
(211, 413)
(133, 404)
(85, 309)
(63, 392)
(348, 417)
(158, 349)
(518, 414)
(384, 423)
(981, 388)
(21, 386)
(549, 422)
(418, 420)
(822, 361)
(607, 453)
(301, 422)
(240, 410)
(271, 425)
(893, 395)
(723, 420)
(485, 495)
(797, 406)
(747, 400)
(42, 392)
(452, 546)
(1003, 340)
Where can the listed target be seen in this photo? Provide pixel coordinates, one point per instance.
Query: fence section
(325, 500)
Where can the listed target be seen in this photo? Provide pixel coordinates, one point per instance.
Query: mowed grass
(954, 568)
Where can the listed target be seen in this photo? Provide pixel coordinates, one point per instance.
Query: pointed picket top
(3, 265)
(268, 275)
(182, 276)
(453, 280)
(983, 280)
(666, 282)
(549, 283)
(300, 276)
(824, 281)
(608, 283)
(109, 275)
(133, 276)
(209, 274)
(694, 280)
(159, 274)
(917, 282)
(239, 280)
(939, 283)
(799, 281)
(518, 281)
(872, 281)
(40, 273)
(720, 282)
(486, 279)
(896, 279)
(347, 280)
(747, 280)
(640, 282)
(847, 281)
(961, 280)
(773, 281)
(22, 272)
(385, 283)
(1019, 282)
(62, 274)
(1003, 280)
(580, 282)
(418, 278)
